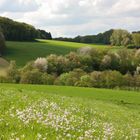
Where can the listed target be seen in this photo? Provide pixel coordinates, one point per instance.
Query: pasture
(52, 112)
(23, 52)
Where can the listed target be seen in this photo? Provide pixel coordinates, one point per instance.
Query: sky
(69, 18)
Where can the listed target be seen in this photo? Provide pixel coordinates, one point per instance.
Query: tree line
(117, 37)
(88, 67)
(16, 31)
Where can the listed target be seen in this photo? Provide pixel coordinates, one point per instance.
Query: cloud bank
(75, 17)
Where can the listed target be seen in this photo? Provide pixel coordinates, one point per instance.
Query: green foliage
(31, 77)
(88, 67)
(13, 75)
(120, 38)
(17, 31)
(43, 48)
(57, 64)
(136, 39)
(70, 79)
(48, 79)
(74, 61)
(85, 81)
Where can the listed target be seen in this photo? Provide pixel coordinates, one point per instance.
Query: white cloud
(75, 17)
(18, 5)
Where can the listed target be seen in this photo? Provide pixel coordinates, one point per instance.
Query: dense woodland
(16, 31)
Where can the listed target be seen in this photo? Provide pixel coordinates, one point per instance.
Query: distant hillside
(24, 52)
(101, 38)
(16, 31)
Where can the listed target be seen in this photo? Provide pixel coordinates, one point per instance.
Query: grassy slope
(111, 118)
(23, 52)
(128, 98)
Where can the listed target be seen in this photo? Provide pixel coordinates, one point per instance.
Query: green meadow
(23, 52)
(52, 112)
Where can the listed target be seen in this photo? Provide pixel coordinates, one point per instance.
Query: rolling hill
(23, 52)
(39, 112)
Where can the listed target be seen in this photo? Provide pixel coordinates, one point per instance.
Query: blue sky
(74, 17)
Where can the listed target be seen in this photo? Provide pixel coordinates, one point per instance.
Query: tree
(136, 39)
(2, 43)
(120, 38)
(57, 64)
(13, 73)
(17, 31)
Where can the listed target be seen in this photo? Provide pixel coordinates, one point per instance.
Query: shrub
(85, 50)
(28, 67)
(73, 61)
(120, 38)
(69, 79)
(106, 79)
(136, 39)
(86, 63)
(13, 75)
(97, 56)
(127, 61)
(48, 79)
(110, 61)
(41, 64)
(32, 77)
(112, 79)
(85, 81)
(129, 80)
(96, 79)
(57, 64)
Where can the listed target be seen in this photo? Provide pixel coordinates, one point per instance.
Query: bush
(97, 56)
(106, 79)
(85, 81)
(31, 77)
(136, 39)
(129, 80)
(112, 79)
(86, 63)
(73, 61)
(48, 79)
(120, 38)
(97, 79)
(110, 61)
(13, 75)
(127, 61)
(41, 64)
(85, 50)
(70, 79)
(57, 64)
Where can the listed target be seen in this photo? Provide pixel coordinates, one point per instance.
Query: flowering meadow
(29, 114)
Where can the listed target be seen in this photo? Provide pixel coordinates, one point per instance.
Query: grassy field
(23, 52)
(49, 113)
